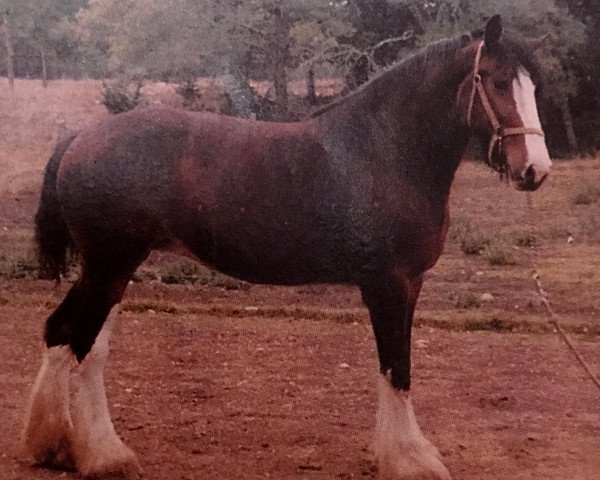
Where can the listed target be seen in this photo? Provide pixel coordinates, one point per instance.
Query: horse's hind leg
(96, 447)
(68, 416)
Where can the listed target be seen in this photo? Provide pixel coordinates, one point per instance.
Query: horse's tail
(51, 233)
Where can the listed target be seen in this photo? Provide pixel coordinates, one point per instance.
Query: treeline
(181, 40)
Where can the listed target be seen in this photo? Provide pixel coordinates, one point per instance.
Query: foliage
(467, 300)
(181, 40)
(498, 253)
(531, 18)
(471, 239)
(18, 267)
(120, 97)
(188, 272)
(44, 28)
(189, 91)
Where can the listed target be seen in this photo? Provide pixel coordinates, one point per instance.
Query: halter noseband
(499, 131)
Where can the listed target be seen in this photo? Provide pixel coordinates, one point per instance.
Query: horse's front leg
(402, 450)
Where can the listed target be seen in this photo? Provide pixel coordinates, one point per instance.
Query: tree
(10, 53)
(186, 38)
(586, 63)
(40, 25)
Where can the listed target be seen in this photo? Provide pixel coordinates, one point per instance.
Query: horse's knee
(402, 450)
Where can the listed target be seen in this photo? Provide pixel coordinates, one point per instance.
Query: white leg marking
(537, 152)
(97, 449)
(47, 428)
(402, 450)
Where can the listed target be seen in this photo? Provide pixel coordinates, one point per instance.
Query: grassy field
(483, 280)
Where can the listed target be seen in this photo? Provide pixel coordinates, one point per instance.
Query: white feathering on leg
(401, 448)
(97, 449)
(47, 427)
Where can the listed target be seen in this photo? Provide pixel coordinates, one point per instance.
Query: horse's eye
(501, 85)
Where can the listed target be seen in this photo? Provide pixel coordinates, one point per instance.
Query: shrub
(471, 240)
(497, 253)
(474, 242)
(119, 97)
(585, 193)
(18, 268)
(525, 241)
(188, 272)
(467, 300)
(189, 91)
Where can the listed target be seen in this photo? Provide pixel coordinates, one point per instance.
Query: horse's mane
(420, 62)
(429, 57)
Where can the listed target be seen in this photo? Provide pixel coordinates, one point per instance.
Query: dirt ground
(213, 396)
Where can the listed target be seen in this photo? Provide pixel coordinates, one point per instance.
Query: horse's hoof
(112, 459)
(47, 444)
(413, 462)
(429, 468)
(56, 456)
(48, 427)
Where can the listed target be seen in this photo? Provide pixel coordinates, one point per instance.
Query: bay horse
(356, 194)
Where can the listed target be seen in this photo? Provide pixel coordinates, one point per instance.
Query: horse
(356, 194)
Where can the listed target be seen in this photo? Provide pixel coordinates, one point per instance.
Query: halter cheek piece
(499, 131)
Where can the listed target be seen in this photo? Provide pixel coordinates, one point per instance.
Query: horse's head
(498, 101)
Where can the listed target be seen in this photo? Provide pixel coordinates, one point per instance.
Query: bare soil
(213, 396)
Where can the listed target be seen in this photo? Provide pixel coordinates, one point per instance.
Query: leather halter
(500, 132)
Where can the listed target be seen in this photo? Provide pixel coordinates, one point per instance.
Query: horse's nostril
(529, 179)
(529, 176)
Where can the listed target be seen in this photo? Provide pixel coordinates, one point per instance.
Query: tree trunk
(10, 53)
(312, 91)
(281, 49)
(44, 68)
(241, 95)
(567, 118)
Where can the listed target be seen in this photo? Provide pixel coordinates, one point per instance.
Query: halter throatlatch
(499, 131)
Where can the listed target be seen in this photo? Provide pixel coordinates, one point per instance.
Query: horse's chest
(415, 234)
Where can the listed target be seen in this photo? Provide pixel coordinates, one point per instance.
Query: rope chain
(554, 319)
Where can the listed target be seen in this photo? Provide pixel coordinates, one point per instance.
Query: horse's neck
(416, 117)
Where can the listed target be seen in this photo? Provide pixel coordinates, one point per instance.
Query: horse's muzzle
(530, 180)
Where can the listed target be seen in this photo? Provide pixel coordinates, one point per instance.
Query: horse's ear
(493, 31)
(535, 43)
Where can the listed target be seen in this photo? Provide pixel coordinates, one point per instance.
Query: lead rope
(554, 318)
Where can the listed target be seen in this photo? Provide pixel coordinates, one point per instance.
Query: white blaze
(537, 152)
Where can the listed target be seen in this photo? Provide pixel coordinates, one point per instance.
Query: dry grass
(586, 193)
(512, 233)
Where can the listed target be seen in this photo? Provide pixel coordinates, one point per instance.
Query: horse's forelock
(517, 48)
